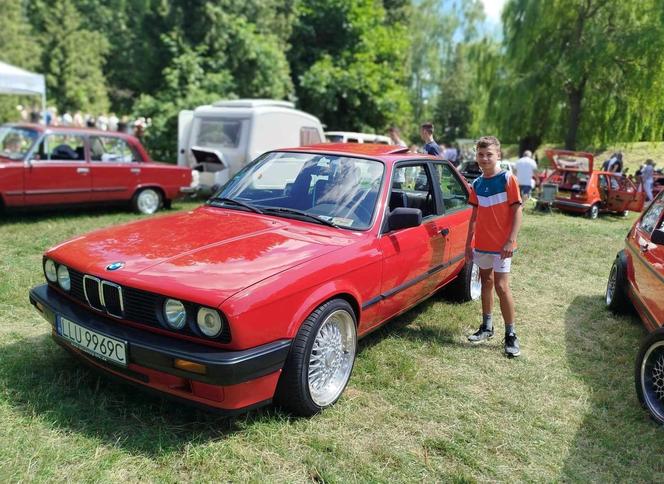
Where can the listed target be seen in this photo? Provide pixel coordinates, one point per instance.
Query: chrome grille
(136, 305)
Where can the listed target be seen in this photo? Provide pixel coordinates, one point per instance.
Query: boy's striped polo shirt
(494, 198)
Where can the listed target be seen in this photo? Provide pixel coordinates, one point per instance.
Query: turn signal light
(190, 366)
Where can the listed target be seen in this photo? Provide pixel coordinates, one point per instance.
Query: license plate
(96, 344)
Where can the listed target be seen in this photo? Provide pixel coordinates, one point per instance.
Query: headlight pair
(57, 273)
(208, 320)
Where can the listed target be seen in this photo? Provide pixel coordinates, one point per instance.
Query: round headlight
(63, 277)
(175, 313)
(50, 270)
(209, 322)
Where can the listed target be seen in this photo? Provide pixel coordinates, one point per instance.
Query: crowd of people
(103, 121)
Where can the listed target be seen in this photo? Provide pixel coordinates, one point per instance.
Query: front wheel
(649, 375)
(321, 360)
(147, 201)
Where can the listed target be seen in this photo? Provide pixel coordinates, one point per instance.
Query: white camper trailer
(218, 140)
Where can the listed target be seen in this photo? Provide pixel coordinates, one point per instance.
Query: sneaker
(512, 345)
(481, 334)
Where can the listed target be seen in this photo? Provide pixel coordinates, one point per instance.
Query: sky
(493, 9)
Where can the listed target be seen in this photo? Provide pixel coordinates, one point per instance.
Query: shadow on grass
(40, 380)
(615, 432)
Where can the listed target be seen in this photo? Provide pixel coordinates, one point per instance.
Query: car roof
(70, 129)
(385, 153)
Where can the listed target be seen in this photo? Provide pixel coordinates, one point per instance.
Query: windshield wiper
(300, 213)
(232, 201)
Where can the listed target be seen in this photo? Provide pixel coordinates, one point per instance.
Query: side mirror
(657, 237)
(403, 218)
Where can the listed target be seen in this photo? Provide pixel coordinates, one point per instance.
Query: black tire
(293, 390)
(649, 375)
(593, 212)
(147, 200)
(461, 289)
(615, 297)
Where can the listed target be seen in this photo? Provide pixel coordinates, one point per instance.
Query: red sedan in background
(262, 293)
(637, 279)
(44, 166)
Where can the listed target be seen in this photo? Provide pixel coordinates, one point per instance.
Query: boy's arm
(471, 232)
(517, 217)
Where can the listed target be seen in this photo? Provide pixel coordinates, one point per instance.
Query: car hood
(206, 255)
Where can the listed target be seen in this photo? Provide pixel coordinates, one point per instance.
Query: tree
(73, 57)
(349, 64)
(19, 47)
(588, 71)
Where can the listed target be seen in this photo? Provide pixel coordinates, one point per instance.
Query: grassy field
(422, 404)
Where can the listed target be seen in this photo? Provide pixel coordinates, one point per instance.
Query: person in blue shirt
(430, 146)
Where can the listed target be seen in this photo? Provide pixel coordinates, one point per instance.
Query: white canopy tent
(18, 81)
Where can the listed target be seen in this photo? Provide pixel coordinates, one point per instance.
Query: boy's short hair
(486, 141)
(428, 127)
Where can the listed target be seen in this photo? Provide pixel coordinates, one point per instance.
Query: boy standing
(430, 146)
(495, 222)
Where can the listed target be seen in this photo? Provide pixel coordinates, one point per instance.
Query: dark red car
(44, 166)
(262, 293)
(637, 279)
(584, 190)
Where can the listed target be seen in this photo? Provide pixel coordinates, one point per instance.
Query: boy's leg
(502, 283)
(484, 262)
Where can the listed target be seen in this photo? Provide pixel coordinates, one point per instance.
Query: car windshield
(335, 190)
(16, 142)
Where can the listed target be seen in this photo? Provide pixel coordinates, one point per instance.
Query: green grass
(422, 404)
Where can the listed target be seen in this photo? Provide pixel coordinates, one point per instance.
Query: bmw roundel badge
(115, 266)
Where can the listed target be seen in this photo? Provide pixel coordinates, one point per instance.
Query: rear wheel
(593, 212)
(147, 201)
(320, 361)
(467, 286)
(649, 375)
(616, 287)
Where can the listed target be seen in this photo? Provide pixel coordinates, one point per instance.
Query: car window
(216, 132)
(339, 189)
(16, 142)
(615, 185)
(412, 188)
(651, 217)
(454, 193)
(309, 136)
(62, 147)
(110, 148)
(603, 184)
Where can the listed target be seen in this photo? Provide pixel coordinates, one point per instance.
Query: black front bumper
(157, 351)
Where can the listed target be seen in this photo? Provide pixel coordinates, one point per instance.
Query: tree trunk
(575, 97)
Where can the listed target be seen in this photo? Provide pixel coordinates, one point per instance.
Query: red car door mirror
(657, 237)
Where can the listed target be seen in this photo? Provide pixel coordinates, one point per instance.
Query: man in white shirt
(525, 169)
(647, 177)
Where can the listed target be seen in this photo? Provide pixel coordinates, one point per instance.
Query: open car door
(623, 195)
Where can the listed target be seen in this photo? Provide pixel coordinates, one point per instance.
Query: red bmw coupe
(262, 293)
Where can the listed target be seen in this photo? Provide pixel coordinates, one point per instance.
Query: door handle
(135, 170)
(445, 231)
(83, 171)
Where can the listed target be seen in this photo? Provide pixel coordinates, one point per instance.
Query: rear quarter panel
(12, 184)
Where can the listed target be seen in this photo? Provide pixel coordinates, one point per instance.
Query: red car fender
(323, 293)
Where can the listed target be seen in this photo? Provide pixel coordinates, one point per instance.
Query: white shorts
(492, 261)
